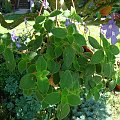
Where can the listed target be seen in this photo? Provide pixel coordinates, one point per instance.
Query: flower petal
(115, 29)
(113, 39)
(104, 27)
(108, 33)
(111, 22)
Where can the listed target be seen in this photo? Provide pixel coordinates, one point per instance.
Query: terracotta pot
(106, 10)
(117, 87)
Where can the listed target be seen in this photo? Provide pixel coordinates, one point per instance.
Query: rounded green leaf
(66, 79)
(43, 84)
(48, 25)
(106, 70)
(59, 32)
(22, 65)
(73, 100)
(97, 57)
(39, 19)
(31, 68)
(112, 84)
(55, 13)
(53, 66)
(79, 39)
(114, 49)
(62, 111)
(27, 81)
(90, 69)
(9, 57)
(118, 81)
(53, 98)
(41, 64)
(68, 56)
(94, 43)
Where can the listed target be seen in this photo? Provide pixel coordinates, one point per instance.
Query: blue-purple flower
(45, 4)
(13, 36)
(15, 39)
(111, 31)
(68, 22)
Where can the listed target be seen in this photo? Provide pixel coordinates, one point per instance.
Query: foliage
(90, 109)
(56, 64)
(6, 6)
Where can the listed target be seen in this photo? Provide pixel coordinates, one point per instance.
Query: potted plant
(57, 65)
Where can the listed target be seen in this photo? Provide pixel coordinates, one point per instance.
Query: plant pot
(106, 10)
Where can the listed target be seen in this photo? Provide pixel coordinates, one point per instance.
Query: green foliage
(56, 64)
(90, 109)
(6, 6)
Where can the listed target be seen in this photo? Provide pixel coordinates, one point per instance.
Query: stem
(41, 8)
(56, 9)
(73, 4)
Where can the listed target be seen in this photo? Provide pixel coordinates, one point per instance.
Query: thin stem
(56, 9)
(41, 8)
(73, 4)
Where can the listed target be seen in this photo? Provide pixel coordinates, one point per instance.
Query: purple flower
(18, 45)
(13, 36)
(68, 22)
(45, 4)
(111, 31)
(15, 39)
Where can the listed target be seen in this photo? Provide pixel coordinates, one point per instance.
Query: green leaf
(39, 19)
(35, 44)
(104, 41)
(66, 79)
(98, 68)
(77, 17)
(97, 79)
(70, 38)
(53, 66)
(76, 64)
(94, 43)
(68, 56)
(9, 57)
(118, 81)
(31, 55)
(31, 68)
(90, 69)
(53, 98)
(41, 64)
(58, 51)
(59, 32)
(112, 84)
(22, 65)
(72, 29)
(73, 100)
(48, 25)
(43, 84)
(114, 49)
(27, 81)
(2, 48)
(79, 39)
(96, 94)
(62, 111)
(106, 70)
(97, 57)
(55, 13)
(49, 53)
(27, 92)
